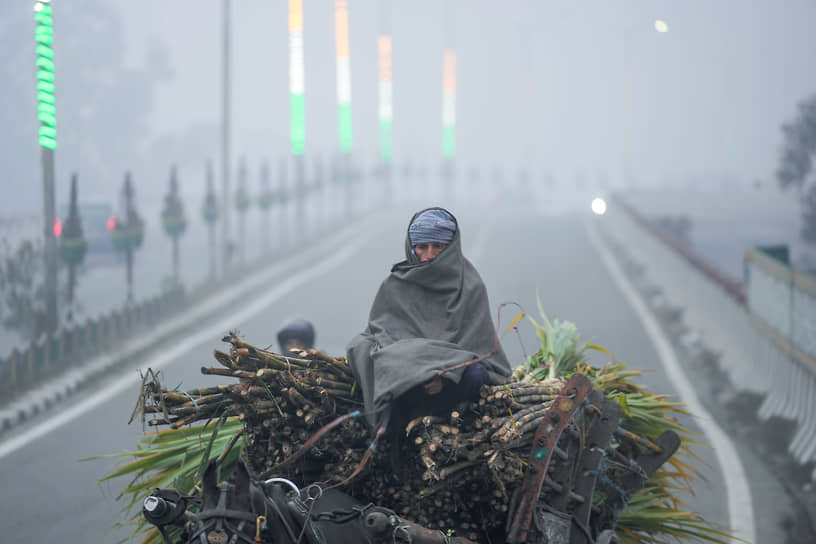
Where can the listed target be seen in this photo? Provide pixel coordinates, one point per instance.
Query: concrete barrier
(54, 354)
(764, 329)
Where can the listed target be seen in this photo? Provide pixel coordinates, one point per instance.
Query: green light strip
(385, 139)
(344, 124)
(297, 134)
(46, 109)
(448, 142)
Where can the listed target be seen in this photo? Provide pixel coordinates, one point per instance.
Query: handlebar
(159, 511)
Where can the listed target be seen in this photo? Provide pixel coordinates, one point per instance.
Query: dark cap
(296, 329)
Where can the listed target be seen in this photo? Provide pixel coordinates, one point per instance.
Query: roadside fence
(52, 355)
(763, 328)
(316, 209)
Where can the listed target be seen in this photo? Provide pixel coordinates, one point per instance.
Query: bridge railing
(52, 355)
(764, 329)
(784, 301)
(25, 367)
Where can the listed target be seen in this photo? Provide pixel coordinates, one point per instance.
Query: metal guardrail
(783, 305)
(764, 331)
(730, 285)
(785, 301)
(52, 355)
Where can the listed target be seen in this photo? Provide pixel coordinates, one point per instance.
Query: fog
(679, 106)
(576, 91)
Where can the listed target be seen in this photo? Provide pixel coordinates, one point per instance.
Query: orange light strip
(295, 15)
(341, 28)
(384, 48)
(449, 71)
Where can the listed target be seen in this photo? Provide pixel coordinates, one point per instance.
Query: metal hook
(309, 496)
(283, 481)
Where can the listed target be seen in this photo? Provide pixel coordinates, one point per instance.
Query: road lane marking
(740, 504)
(181, 347)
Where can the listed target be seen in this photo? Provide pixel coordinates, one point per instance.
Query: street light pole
(226, 253)
(448, 104)
(49, 214)
(47, 115)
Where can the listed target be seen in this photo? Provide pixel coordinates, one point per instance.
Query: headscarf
(434, 225)
(426, 317)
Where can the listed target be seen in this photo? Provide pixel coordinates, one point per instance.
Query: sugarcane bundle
(282, 401)
(300, 420)
(270, 386)
(453, 459)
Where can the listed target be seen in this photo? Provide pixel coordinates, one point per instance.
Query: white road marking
(740, 504)
(183, 346)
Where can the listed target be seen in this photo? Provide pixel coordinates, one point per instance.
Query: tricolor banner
(297, 116)
(449, 105)
(341, 34)
(386, 107)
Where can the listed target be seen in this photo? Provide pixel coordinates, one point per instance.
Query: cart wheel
(607, 537)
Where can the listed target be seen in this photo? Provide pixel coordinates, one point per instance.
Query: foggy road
(700, 115)
(56, 496)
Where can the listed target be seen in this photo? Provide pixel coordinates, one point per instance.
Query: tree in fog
(102, 102)
(796, 163)
(22, 289)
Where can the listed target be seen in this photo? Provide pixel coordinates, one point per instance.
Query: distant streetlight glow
(661, 26)
(599, 206)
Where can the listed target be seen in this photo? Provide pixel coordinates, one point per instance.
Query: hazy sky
(579, 88)
(707, 97)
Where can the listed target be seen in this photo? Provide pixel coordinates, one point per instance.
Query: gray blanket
(425, 317)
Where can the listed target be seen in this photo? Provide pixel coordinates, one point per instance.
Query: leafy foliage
(22, 289)
(174, 459)
(560, 349)
(809, 215)
(656, 511)
(796, 162)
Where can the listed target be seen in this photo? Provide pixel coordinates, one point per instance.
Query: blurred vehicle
(97, 221)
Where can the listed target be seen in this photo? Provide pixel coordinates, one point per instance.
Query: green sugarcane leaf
(624, 404)
(205, 455)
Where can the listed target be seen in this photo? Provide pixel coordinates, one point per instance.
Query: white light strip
(296, 70)
(386, 109)
(343, 80)
(449, 108)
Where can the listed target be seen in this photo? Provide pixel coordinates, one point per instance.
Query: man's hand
(434, 386)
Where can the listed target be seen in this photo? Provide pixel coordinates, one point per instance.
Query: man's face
(429, 250)
(293, 344)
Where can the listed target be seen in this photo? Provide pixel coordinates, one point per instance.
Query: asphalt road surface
(50, 496)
